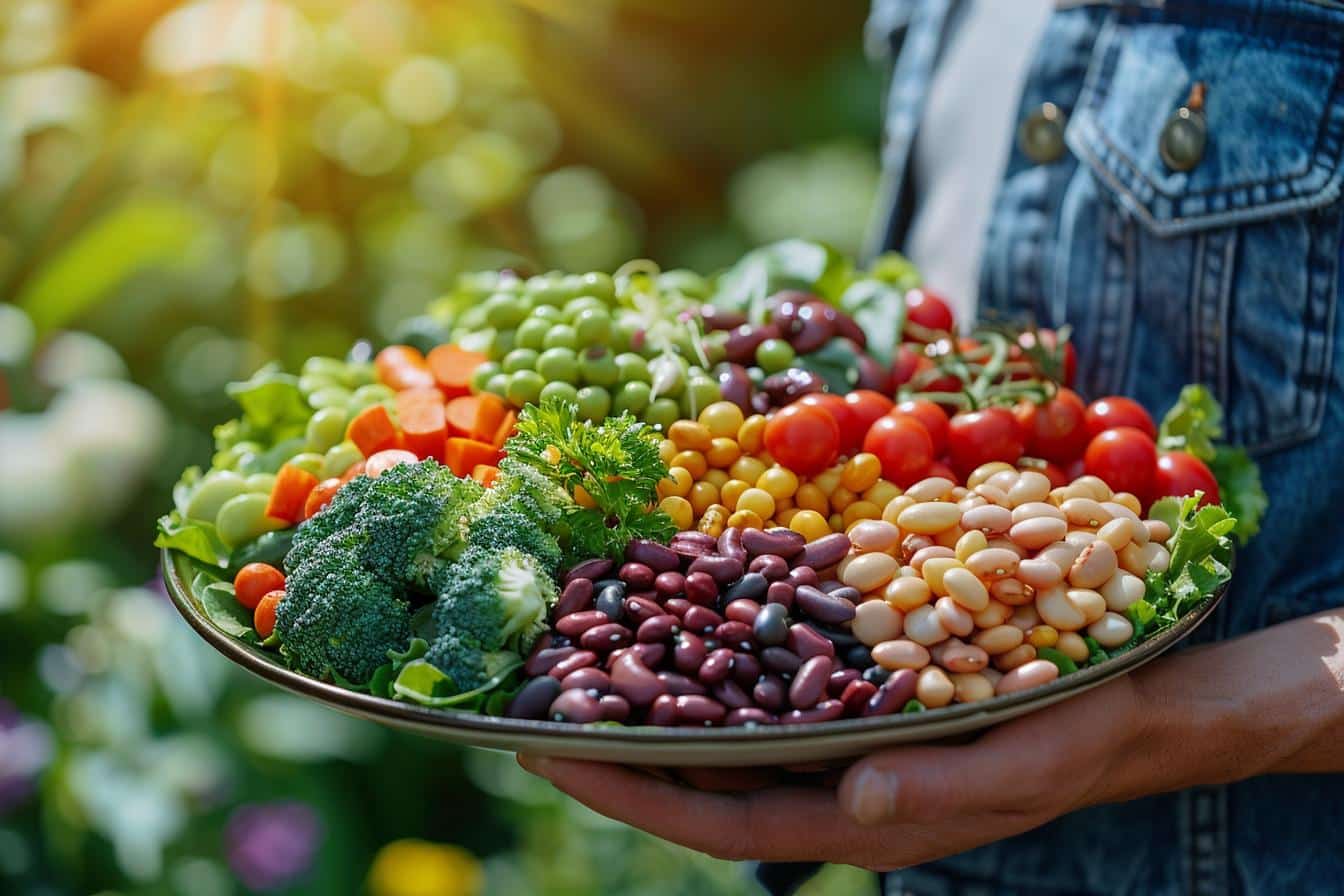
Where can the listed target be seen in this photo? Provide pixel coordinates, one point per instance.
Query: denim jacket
(1226, 274)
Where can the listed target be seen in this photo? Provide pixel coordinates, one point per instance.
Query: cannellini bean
(935, 568)
(970, 543)
(1085, 512)
(949, 537)
(1118, 510)
(1027, 675)
(999, 639)
(1156, 557)
(1094, 566)
(989, 518)
(1040, 572)
(932, 552)
(982, 473)
(1121, 590)
(961, 657)
(1111, 630)
(992, 563)
(1158, 530)
(1128, 500)
(868, 536)
(1134, 560)
(923, 626)
(907, 592)
(1062, 554)
(913, 544)
(876, 621)
(1004, 479)
(1022, 653)
(1056, 609)
(1024, 617)
(1091, 487)
(1033, 509)
(997, 613)
(901, 654)
(1080, 538)
(992, 494)
(971, 686)
(992, 675)
(970, 502)
(1072, 645)
(895, 507)
(953, 617)
(962, 586)
(867, 572)
(1007, 544)
(1091, 604)
(959, 492)
(1038, 532)
(935, 488)
(1030, 487)
(929, 518)
(1116, 533)
(1011, 592)
(933, 688)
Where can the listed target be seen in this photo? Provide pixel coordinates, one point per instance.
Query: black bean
(823, 607)
(637, 576)
(652, 554)
(576, 706)
(842, 638)
(677, 684)
(695, 709)
(701, 588)
(577, 596)
(717, 666)
(688, 653)
(774, 567)
(588, 679)
(781, 660)
(534, 699)
(589, 569)
(751, 586)
(809, 684)
(859, 657)
(611, 600)
(772, 625)
(876, 674)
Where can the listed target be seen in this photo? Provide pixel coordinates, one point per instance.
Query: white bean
(1121, 590)
(1028, 675)
(923, 627)
(1111, 630)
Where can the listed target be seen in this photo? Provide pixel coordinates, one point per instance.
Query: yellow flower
(420, 868)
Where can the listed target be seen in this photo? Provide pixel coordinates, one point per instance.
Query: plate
(654, 746)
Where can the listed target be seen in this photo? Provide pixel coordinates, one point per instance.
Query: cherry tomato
(1049, 339)
(905, 366)
(903, 446)
(804, 438)
(851, 431)
(1180, 474)
(321, 495)
(254, 580)
(1125, 458)
(1074, 471)
(1056, 430)
(927, 309)
(1116, 410)
(933, 418)
(941, 469)
(1051, 471)
(867, 406)
(263, 619)
(979, 437)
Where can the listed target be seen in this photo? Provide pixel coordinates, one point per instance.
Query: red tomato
(927, 309)
(979, 437)
(253, 582)
(941, 469)
(933, 418)
(1125, 458)
(903, 446)
(1074, 471)
(1049, 340)
(867, 406)
(804, 438)
(1180, 474)
(1116, 410)
(851, 432)
(1057, 430)
(905, 366)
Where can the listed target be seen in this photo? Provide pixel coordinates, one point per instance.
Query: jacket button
(1041, 134)
(1185, 134)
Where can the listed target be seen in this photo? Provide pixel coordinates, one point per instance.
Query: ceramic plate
(652, 746)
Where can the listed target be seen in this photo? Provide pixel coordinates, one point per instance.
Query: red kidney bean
(659, 628)
(824, 607)
(721, 318)
(825, 552)
(751, 586)
(701, 620)
(774, 567)
(770, 692)
(781, 660)
(651, 655)
(723, 570)
(544, 660)
(589, 569)
(772, 625)
(652, 554)
(803, 575)
(856, 696)
(746, 669)
(701, 588)
(677, 684)
(606, 637)
(781, 593)
(807, 642)
(588, 679)
(575, 706)
(809, 684)
(747, 717)
(742, 610)
(841, 679)
(632, 680)
(853, 595)
(825, 711)
(576, 624)
(577, 596)
(730, 544)
(677, 606)
(615, 708)
(690, 549)
(699, 710)
(894, 693)
(688, 653)
(783, 543)
(642, 609)
(717, 666)
(663, 711)
(576, 660)
(734, 634)
(693, 536)
(534, 699)
(669, 584)
(637, 576)
(731, 695)
(646, 594)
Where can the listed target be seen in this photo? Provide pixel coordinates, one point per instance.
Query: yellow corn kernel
(881, 492)
(745, 519)
(860, 510)
(751, 434)
(810, 524)
(666, 451)
(716, 478)
(1042, 636)
(722, 453)
(676, 484)
(783, 504)
(861, 472)
(723, 419)
(688, 435)
(836, 522)
(731, 491)
(810, 497)
(828, 480)
(757, 501)
(693, 461)
(680, 511)
(842, 498)
(702, 496)
(780, 482)
(746, 468)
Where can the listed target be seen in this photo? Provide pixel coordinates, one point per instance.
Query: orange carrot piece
(453, 367)
(463, 455)
(263, 617)
(372, 430)
(290, 493)
(490, 414)
(423, 425)
(461, 415)
(353, 472)
(321, 495)
(403, 367)
(505, 428)
(485, 474)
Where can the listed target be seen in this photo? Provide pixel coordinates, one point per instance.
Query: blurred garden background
(191, 189)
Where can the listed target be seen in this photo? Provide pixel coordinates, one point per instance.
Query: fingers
(729, 780)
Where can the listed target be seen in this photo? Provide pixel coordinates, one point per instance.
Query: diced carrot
(354, 471)
(263, 617)
(505, 428)
(372, 430)
(453, 367)
(321, 495)
(290, 493)
(423, 425)
(476, 416)
(464, 454)
(403, 367)
(380, 463)
(485, 474)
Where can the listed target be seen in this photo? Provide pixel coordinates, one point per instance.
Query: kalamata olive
(827, 608)
(688, 653)
(701, 588)
(677, 606)
(615, 708)
(859, 657)
(789, 385)
(802, 574)
(730, 694)
(734, 634)
(641, 609)
(825, 552)
(657, 557)
(589, 569)
(606, 637)
(735, 385)
(751, 586)
(678, 684)
(576, 660)
(839, 680)
(717, 666)
(771, 627)
(575, 706)
(856, 696)
(740, 348)
(781, 660)
(747, 717)
(781, 593)
(784, 305)
(809, 683)
(774, 567)
(876, 674)
(669, 584)
(723, 570)
(715, 318)
(746, 669)
(730, 544)
(632, 680)
(825, 711)
(872, 374)
(575, 624)
(534, 699)
(577, 595)
(695, 709)
(893, 693)
(544, 660)
(611, 601)
(588, 679)
(742, 610)
(807, 642)
(637, 576)
(770, 692)
(761, 403)
(658, 629)
(846, 328)
(814, 328)
(663, 711)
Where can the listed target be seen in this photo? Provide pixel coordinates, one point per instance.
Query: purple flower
(25, 750)
(270, 845)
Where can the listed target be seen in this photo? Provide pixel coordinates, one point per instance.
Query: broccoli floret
(524, 489)
(467, 664)
(337, 517)
(497, 599)
(502, 529)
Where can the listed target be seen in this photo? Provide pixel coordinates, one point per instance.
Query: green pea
(331, 368)
(308, 460)
(547, 290)
(340, 458)
(594, 403)
(216, 488)
(715, 346)
(498, 384)
(574, 307)
(329, 397)
(261, 483)
(325, 428)
(632, 396)
(562, 391)
(549, 313)
(359, 374)
(599, 285)
(593, 326)
(520, 359)
(367, 396)
(700, 393)
(630, 368)
(662, 412)
(598, 368)
(525, 387)
(482, 375)
(558, 365)
(501, 344)
(531, 333)
(562, 336)
(504, 312)
(774, 355)
(623, 330)
(315, 382)
(572, 285)
(243, 518)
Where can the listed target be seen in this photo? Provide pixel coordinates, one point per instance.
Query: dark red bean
(742, 610)
(823, 607)
(781, 660)
(677, 606)
(747, 717)
(689, 549)
(825, 711)
(746, 669)
(839, 680)
(589, 569)
(657, 557)
(544, 660)
(717, 666)
(825, 552)
(715, 318)
(731, 695)
(615, 708)
(677, 684)
(781, 593)
(646, 594)
(650, 655)
(607, 637)
(659, 628)
(807, 642)
(894, 693)
(692, 536)
(576, 660)
(913, 544)
(641, 609)
(846, 328)
(576, 624)
(751, 586)
(632, 680)
(588, 679)
(829, 585)
(663, 711)
(735, 385)
(575, 706)
(803, 575)
(637, 576)
(771, 693)
(577, 596)
(809, 684)
(701, 588)
(742, 342)
(734, 634)
(669, 584)
(701, 620)
(723, 570)
(730, 544)
(688, 653)
(695, 709)
(534, 699)
(853, 595)
(774, 567)
(783, 543)
(856, 696)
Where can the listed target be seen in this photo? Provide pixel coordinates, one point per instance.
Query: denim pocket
(1224, 274)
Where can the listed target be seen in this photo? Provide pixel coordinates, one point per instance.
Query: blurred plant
(25, 750)
(272, 844)
(418, 868)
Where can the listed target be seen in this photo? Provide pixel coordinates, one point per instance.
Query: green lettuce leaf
(422, 683)
(223, 610)
(879, 308)
(787, 264)
(195, 538)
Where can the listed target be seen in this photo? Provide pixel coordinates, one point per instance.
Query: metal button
(1041, 134)
(1183, 138)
